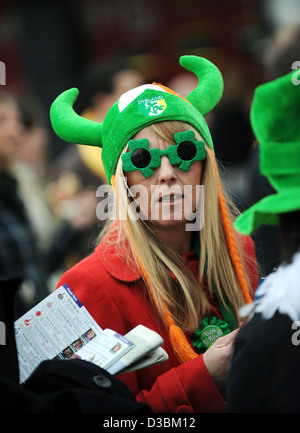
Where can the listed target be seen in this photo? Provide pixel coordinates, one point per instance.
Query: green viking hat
(274, 115)
(137, 109)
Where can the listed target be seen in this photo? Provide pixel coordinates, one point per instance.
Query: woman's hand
(217, 359)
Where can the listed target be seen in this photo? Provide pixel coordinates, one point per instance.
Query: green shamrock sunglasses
(144, 159)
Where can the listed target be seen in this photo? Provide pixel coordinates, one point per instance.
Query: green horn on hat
(210, 87)
(71, 127)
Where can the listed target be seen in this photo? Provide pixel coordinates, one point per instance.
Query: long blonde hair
(183, 298)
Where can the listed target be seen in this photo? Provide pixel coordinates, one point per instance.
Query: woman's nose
(166, 172)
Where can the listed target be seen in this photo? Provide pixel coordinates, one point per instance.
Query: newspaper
(60, 327)
(147, 351)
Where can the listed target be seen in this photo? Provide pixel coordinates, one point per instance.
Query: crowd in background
(48, 207)
(48, 198)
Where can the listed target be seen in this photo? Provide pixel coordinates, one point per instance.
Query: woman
(264, 375)
(149, 268)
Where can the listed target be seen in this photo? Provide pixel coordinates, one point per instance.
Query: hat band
(280, 158)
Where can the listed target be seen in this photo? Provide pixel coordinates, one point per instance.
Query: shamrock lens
(140, 158)
(186, 150)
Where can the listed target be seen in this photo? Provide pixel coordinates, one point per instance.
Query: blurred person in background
(69, 211)
(35, 242)
(18, 253)
(30, 167)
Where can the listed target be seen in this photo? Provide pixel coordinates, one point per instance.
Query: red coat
(117, 298)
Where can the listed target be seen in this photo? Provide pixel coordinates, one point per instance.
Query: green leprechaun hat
(274, 115)
(139, 108)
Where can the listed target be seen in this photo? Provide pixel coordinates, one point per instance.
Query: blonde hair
(184, 300)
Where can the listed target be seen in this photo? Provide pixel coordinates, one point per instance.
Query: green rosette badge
(210, 329)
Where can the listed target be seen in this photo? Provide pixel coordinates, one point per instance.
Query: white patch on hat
(131, 95)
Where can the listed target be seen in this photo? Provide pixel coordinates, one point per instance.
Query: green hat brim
(267, 210)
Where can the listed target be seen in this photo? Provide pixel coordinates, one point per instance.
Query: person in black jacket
(264, 372)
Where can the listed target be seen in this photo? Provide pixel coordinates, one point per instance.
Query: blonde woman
(171, 259)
